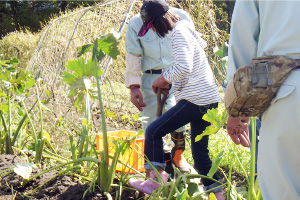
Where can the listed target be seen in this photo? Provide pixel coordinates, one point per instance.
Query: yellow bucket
(133, 157)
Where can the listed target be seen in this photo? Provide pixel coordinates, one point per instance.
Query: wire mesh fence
(58, 44)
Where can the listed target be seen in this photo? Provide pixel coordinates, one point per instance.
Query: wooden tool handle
(160, 102)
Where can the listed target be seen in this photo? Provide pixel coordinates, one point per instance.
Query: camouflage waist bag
(253, 87)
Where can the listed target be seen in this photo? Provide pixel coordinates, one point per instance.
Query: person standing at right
(262, 28)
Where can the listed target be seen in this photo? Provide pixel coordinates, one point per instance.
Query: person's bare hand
(238, 131)
(161, 82)
(137, 97)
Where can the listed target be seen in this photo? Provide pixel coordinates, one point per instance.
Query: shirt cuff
(133, 70)
(167, 76)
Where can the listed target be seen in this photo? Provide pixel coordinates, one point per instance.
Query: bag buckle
(261, 74)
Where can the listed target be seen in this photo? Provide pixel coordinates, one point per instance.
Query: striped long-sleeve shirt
(191, 74)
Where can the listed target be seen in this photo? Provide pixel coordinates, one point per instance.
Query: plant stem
(87, 117)
(251, 191)
(229, 175)
(84, 134)
(3, 121)
(103, 122)
(40, 144)
(33, 129)
(63, 164)
(22, 122)
(2, 140)
(73, 150)
(8, 134)
(103, 167)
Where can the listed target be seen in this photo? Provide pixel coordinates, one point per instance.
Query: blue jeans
(182, 113)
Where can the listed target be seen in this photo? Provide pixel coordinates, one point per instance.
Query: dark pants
(182, 113)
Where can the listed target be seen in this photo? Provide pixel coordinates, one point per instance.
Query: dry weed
(18, 44)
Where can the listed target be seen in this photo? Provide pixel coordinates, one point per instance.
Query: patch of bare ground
(54, 186)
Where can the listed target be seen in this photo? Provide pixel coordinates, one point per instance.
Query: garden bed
(57, 188)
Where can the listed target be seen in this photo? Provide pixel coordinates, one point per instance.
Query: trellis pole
(120, 31)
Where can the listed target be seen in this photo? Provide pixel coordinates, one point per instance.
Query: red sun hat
(149, 11)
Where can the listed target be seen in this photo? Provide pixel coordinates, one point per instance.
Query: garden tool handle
(160, 102)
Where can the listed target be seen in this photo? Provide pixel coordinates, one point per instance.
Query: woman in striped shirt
(195, 92)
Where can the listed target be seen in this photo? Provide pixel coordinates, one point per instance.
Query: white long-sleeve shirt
(271, 32)
(261, 28)
(192, 76)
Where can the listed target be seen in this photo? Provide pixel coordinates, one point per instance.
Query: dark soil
(55, 187)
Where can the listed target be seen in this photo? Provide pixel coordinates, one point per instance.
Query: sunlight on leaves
(80, 80)
(125, 117)
(106, 44)
(136, 117)
(141, 131)
(46, 136)
(87, 83)
(48, 92)
(212, 196)
(208, 131)
(223, 51)
(110, 114)
(217, 117)
(109, 45)
(44, 107)
(84, 122)
(80, 68)
(17, 81)
(143, 119)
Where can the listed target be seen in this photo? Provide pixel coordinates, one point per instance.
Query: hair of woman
(165, 23)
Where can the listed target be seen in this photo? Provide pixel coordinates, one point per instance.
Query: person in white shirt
(195, 92)
(263, 28)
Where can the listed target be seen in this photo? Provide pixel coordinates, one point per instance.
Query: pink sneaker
(148, 186)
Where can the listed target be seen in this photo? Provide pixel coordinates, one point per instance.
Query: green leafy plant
(80, 81)
(14, 87)
(218, 118)
(82, 87)
(219, 58)
(101, 46)
(38, 137)
(80, 75)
